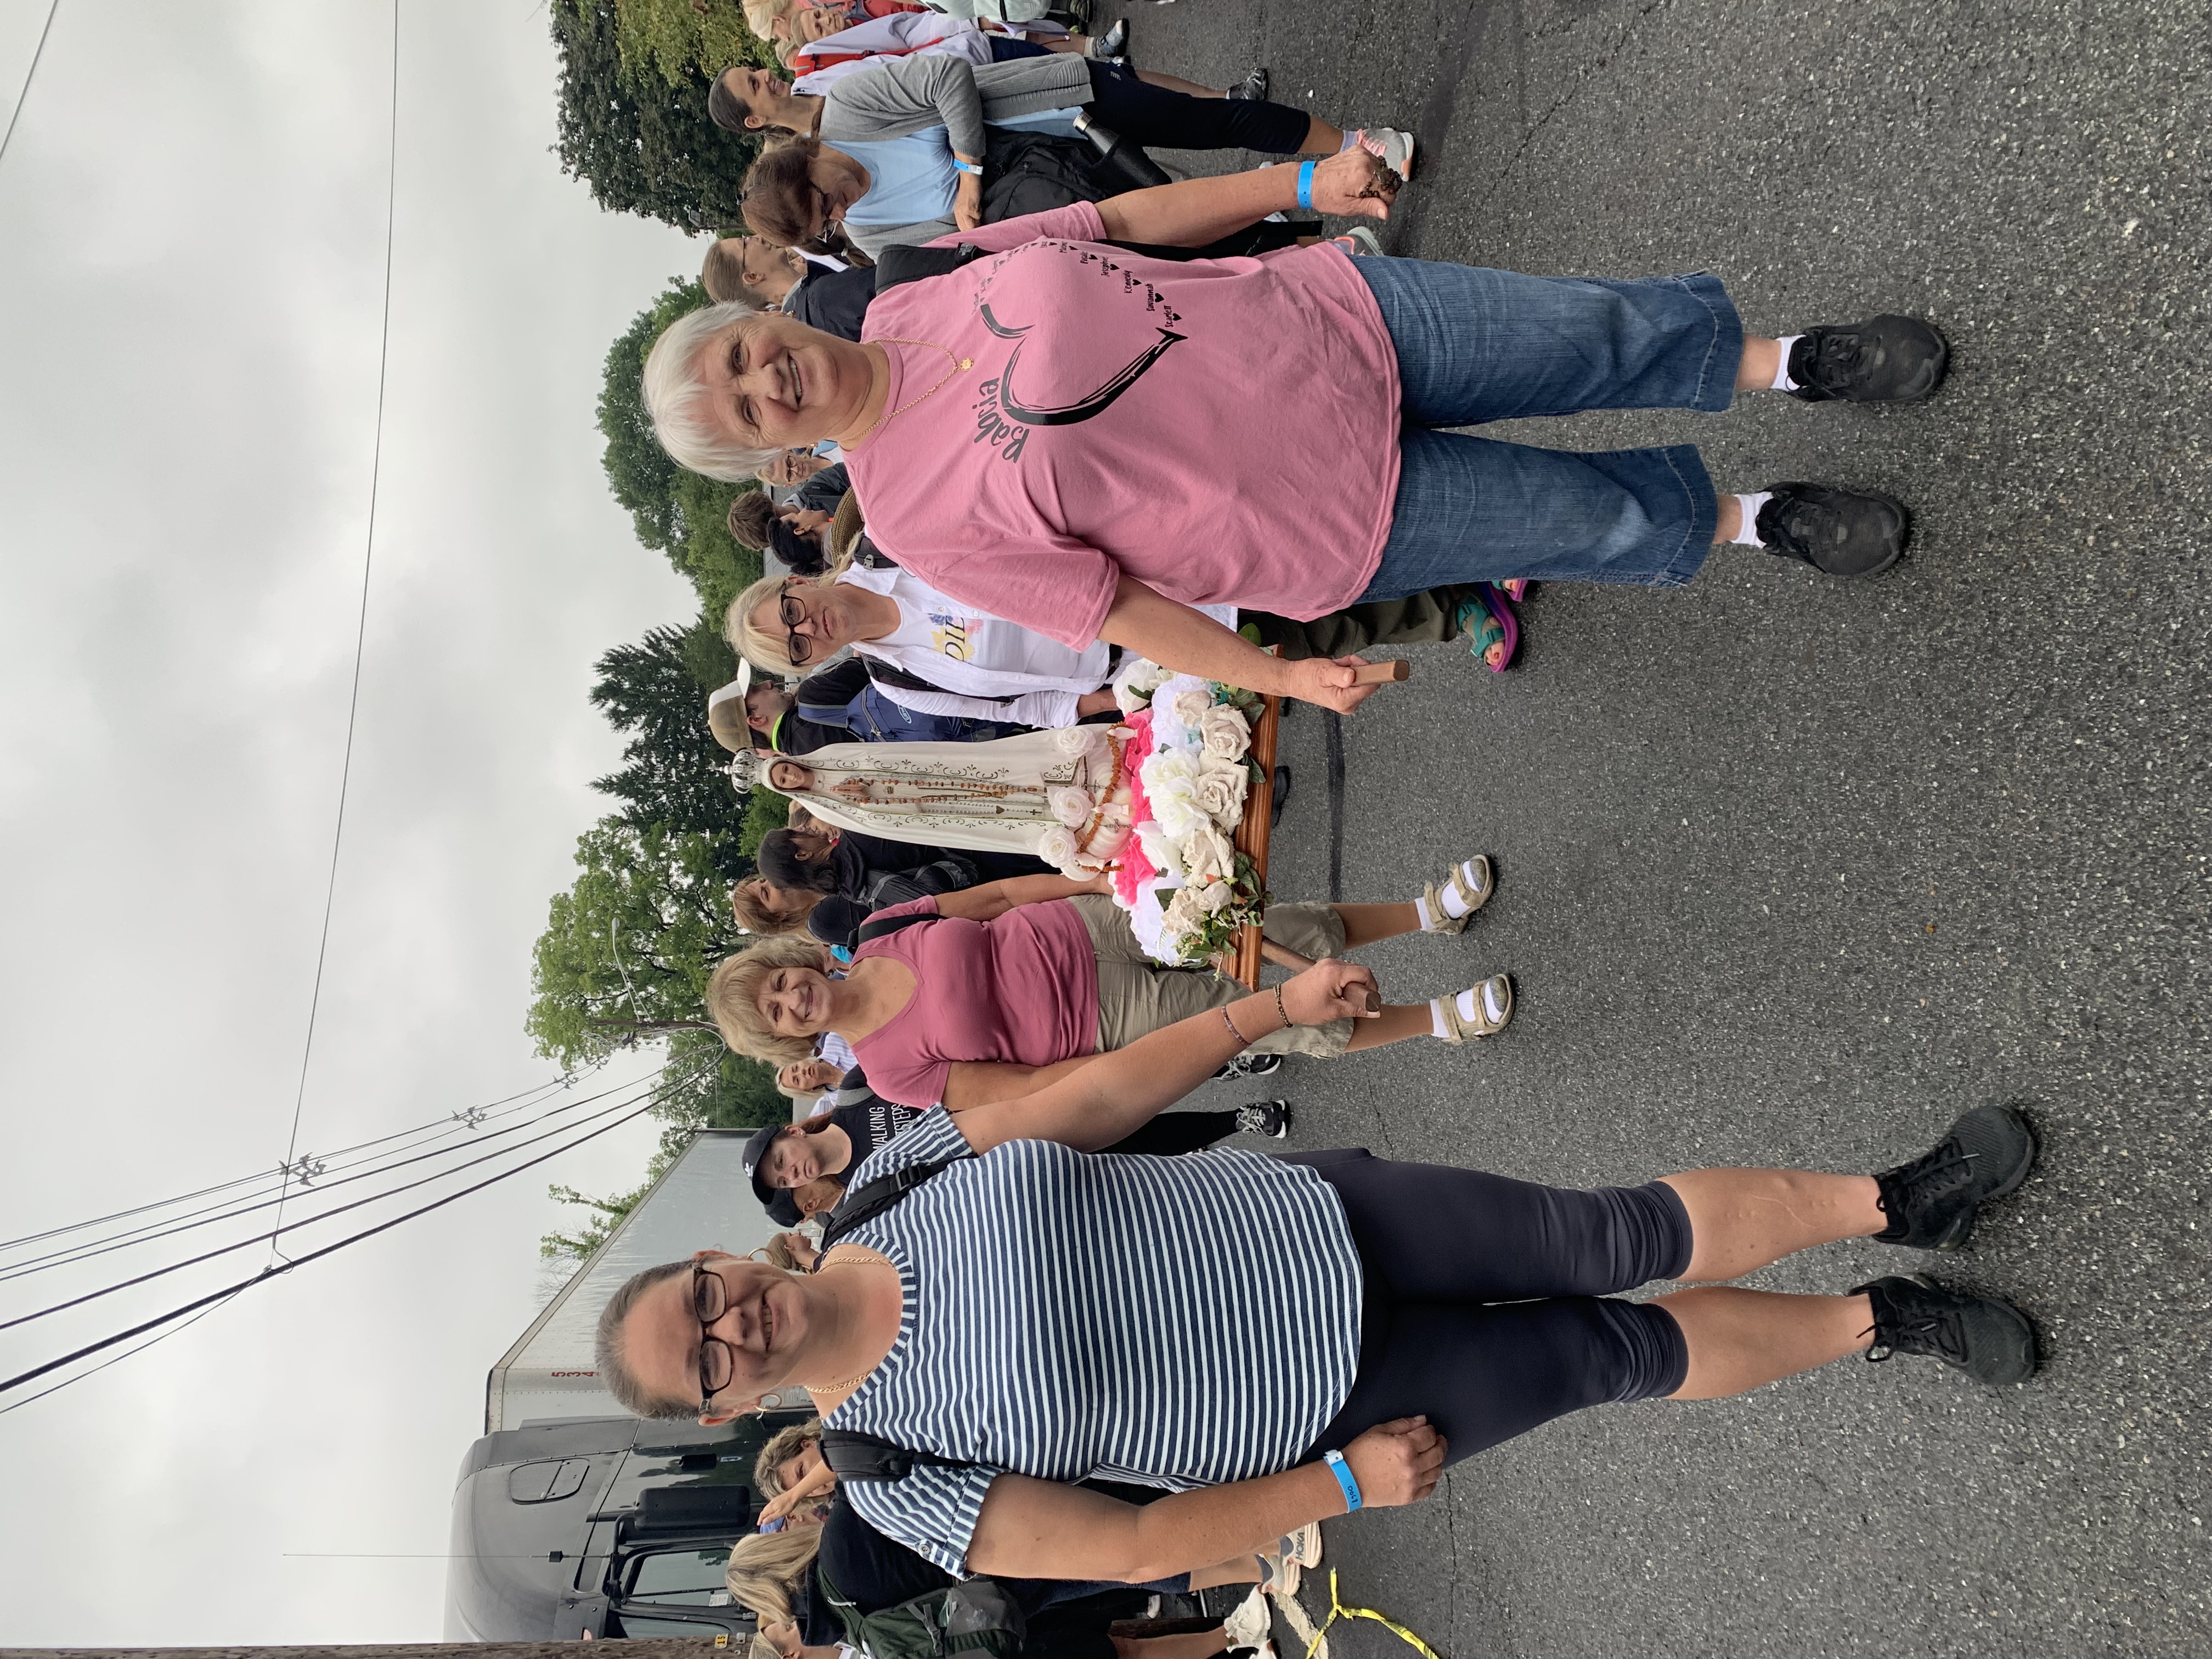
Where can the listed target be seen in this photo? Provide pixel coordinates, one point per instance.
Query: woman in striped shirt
(1272, 1339)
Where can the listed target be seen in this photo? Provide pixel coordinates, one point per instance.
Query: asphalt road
(1791, 871)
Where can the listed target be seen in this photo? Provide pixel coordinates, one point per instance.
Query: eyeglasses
(792, 613)
(718, 1362)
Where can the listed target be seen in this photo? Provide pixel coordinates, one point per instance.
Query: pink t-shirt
(1022, 988)
(1223, 430)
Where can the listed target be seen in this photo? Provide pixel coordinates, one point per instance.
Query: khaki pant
(1137, 995)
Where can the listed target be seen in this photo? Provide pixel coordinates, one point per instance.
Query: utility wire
(360, 630)
(469, 1118)
(115, 1359)
(151, 1231)
(37, 53)
(216, 1298)
(293, 1226)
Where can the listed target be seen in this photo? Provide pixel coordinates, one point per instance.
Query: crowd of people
(1028, 420)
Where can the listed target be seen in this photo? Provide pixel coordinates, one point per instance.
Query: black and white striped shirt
(1168, 1321)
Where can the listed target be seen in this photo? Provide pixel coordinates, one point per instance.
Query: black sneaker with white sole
(1247, 1065)
(1253, 86)
(1931, 1202)
(1991, 1340)
(1271, 1118)
(1883, 360)
(1842, 532)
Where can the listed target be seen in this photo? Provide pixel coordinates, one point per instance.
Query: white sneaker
(1302, 1545)
(1393, 147)
(1249, 1626)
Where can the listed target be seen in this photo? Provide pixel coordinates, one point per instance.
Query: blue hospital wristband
(1305, 201)
(1337, 1465)
(973, 167)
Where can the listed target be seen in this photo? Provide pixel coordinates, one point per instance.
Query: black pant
(1489, 1301)
(1148, 115)
(1171, 1133)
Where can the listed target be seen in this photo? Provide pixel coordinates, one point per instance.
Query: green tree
(672, 777)
(765, 810)
(637, 132)
(678, 39)
(627, 949)
(675, 512)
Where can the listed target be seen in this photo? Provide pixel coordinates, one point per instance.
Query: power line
(361, 631)
(468, 1117)
(216, 1298)
(282, 1227)
(37, 53)
(230, 1208)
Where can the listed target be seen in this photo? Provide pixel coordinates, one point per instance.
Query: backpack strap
(887, 673)
(911, 265)
(876, 928)
(878, 1195)
(856, 1456)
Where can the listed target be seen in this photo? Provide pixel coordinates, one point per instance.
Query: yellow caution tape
(1295, 1616)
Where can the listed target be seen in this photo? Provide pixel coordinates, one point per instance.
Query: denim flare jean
(1477, 345)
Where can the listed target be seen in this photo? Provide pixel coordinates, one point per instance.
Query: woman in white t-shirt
(943, 657)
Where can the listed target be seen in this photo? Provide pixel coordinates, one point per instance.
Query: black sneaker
(1932, 1201)
(1989, 1340)
(1844, 532)
(1884, 360)
(1253, 86)
(1271, 1118)
(1277, 793)
(1247, 1065)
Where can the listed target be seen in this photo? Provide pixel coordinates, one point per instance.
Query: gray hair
(676, 397)
(611, 1349)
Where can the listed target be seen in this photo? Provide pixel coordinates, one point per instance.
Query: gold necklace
(847, 1261)
(959, 364)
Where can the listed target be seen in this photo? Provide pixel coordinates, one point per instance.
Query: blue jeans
(1477, 345)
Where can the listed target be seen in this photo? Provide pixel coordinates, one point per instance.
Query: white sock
(1782, 382)
(1350, 139)
(1440, 1027)
(1492, 1010)
(1455, 906)
(1748, 533)
(1421, 911)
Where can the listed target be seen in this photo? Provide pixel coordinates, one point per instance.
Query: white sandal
(1471, 881)
(1498, 989)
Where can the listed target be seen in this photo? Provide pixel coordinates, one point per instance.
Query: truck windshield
(690, 1577)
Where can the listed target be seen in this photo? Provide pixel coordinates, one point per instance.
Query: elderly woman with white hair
(1093, 442)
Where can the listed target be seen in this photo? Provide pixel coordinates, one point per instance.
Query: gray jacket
(903, 95)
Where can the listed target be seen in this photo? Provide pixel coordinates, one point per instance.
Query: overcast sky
(191, 240)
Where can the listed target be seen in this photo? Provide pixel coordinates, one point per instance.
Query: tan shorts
(1138, 995)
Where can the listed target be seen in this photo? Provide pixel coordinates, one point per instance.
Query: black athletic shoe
(1253, 86)
(1277, 793)
(1931, 1201)
(1271, 1118)
(1883, 360)
(1989, 1340)
(1844, 532)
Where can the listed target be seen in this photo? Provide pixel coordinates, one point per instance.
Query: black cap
(756, 1150)
(783, 1209)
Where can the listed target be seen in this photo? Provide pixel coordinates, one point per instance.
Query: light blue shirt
(1059, 122)
(911, 181)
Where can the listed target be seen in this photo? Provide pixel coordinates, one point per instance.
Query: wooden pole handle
(1382, 673)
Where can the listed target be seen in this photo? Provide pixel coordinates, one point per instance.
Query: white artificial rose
(1160, 851)
(1184, 914)
(1127, 699)
(1208, 855)
(1219, 790)
(1073, 807)
(1213, 897)
(1079, 740)
(1170, 779)
(1147, 676)
(1057, 846)
(1224, 733)
(1190, 707)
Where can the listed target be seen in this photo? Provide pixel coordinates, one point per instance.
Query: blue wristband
(968, 167)
(1305, 201)
(1337, 1465)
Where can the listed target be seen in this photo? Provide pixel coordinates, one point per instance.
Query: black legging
(1148, 115)
(1171, 1133)
(1490, 1304)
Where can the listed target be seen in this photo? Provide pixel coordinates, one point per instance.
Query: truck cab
(605, 1528)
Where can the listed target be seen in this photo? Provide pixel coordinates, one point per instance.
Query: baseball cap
(756, 1150)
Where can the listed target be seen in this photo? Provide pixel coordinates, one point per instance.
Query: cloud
(194, 205)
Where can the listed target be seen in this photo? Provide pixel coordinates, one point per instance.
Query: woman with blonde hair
(997, 991)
